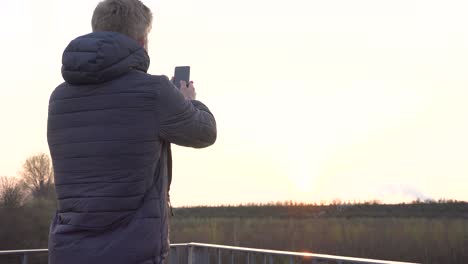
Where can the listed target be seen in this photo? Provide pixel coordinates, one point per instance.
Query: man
(109, 131)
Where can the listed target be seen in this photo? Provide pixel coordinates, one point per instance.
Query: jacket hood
(102, 56)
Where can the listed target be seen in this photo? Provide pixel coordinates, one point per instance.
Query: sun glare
(302, 174)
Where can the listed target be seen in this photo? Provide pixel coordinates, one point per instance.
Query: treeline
(34, 182)
(27, 204)
(417, 208)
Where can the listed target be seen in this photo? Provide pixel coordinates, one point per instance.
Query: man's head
(129, 17)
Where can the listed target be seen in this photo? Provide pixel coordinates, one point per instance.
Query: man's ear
(141, 42)
(144, 43)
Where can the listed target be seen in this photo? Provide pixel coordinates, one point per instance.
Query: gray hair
(128, 17)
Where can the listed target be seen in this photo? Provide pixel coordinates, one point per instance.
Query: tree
(11, 193)
(38, 176)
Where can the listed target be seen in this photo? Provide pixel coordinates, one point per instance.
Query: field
(422, 240)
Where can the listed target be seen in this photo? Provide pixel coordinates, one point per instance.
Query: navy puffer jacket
(109, 131)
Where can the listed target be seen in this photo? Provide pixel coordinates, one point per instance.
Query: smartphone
(181, 73)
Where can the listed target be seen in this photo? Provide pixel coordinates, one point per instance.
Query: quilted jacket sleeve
(184, 122)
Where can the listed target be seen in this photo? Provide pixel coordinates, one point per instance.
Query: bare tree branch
(11, 193)
(38, 175)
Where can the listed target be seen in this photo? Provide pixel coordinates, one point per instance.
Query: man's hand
(188, 91)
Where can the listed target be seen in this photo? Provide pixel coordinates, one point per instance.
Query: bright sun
(302, 176)
(303, 183)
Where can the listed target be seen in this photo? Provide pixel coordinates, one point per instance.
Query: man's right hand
(183, 120)
(188, 91)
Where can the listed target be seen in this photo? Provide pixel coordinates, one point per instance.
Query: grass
(423, 240)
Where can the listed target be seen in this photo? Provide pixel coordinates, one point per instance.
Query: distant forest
(417, 208)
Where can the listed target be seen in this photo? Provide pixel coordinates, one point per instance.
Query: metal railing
(197, 253)
(23, 254)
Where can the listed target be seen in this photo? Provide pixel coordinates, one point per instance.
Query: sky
(314, 100)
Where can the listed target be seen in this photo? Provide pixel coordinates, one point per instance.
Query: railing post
(206, 256)
(172, 256)
(198, 255)
(218, 251)
(24, 259)
(191, 255)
